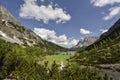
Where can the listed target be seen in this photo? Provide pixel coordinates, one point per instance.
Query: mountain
(110, 35)
(84, 42)
(13, 31)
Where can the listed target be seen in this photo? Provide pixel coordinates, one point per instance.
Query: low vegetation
(60, 58)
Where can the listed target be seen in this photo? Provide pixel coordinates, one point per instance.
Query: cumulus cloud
(31, 10)
(84, 31)
(103, 30)
(101, 3)
(50, 35)
(112, 12)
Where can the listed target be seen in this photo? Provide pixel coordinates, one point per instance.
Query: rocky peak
(84, 42)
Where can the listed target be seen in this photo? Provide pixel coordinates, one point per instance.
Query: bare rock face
(83, 43)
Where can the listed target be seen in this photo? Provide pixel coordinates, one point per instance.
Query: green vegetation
(58, 58)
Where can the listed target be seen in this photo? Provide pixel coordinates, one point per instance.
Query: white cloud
(50, 35)
(115, 10)
(42, 0)
(101, 3)
(84, 31)
(103, 30)
(112, 13)
(31, 10)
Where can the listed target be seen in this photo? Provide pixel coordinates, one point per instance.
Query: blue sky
(64, 22)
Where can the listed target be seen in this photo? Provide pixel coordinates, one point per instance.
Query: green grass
(58, 58)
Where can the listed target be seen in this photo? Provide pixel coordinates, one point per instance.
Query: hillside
(13, 31)
(111, 34)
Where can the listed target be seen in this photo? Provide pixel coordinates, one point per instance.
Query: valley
(26, 56)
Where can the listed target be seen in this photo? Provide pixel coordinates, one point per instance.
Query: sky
(65, 22)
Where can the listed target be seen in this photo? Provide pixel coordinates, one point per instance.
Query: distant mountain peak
(84, 42)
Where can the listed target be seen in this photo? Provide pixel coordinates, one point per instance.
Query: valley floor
(59, 59)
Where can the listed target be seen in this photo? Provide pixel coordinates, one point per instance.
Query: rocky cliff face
(13, 31)
(83, 43)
